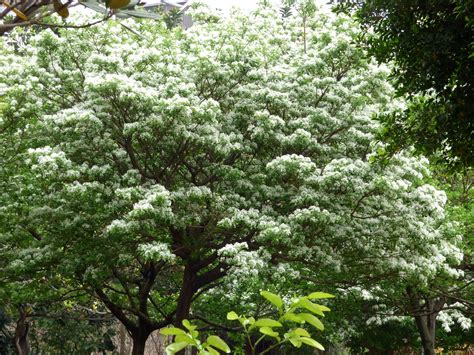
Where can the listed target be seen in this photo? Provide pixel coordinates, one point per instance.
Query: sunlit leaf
(232, 315)
(218, 343)
(269, 331)
(267, 322)
(310, 306)
(271, 297)
(172, 331)
(320, 295)
(312, 342)
(301, 332)
(175, 347)
(315, 322)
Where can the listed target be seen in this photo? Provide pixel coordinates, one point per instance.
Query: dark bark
(188, 290)
(22, 346)
(425, 310)
(426, 325)
(139, 337)
(139, 344)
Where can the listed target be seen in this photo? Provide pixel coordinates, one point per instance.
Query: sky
(225, 5)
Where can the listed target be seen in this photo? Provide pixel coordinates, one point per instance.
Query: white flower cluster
(449, 317)
(244, 263)
(156, 251)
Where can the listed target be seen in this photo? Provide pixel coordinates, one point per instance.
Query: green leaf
(172, 331)
(301, 332)
(184, 337)
(295, 341)
(310, 306)
(269, 331)
(272, 298)
(188, 325)
(175, 347)
(320, 295)
(211, 350)
(290, 316)
(315, 322)
(312, 342)
(324, 308)
(232, 316)
(267, 322)
(194, 333)
(218, 343)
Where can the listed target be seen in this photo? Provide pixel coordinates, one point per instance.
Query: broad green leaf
(290, 316)
(312, 320)
(301, 332)
(194, 333)
(188, 325)
(324, 308)
(172, 331)
(211, 350)
(312, 342)
(175, 347)
(232, 316)
(320, 295)
(184, 338)
(271, 297)
(267, 322)
(310, 306)
(296, 342)
(269, 331)
(218, 343)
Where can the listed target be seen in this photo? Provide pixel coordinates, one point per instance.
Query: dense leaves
(430, 45)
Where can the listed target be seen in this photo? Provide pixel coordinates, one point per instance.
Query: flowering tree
(146, 170)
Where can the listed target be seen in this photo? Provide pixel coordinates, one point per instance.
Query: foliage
(430, 45)
(183, 339)
(160, 171)
(294, 334)
(66, 335)
(5, 339)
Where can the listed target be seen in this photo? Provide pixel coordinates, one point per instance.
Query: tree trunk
(22, 346)
(139, 343)
(426, 326)
(186, 295)
(425, 310)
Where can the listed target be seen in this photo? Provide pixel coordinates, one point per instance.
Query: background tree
(429, 45)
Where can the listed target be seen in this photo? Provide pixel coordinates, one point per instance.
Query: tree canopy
(430, 47)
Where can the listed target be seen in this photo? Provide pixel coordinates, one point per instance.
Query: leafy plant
(290, 317)
(183, 339)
